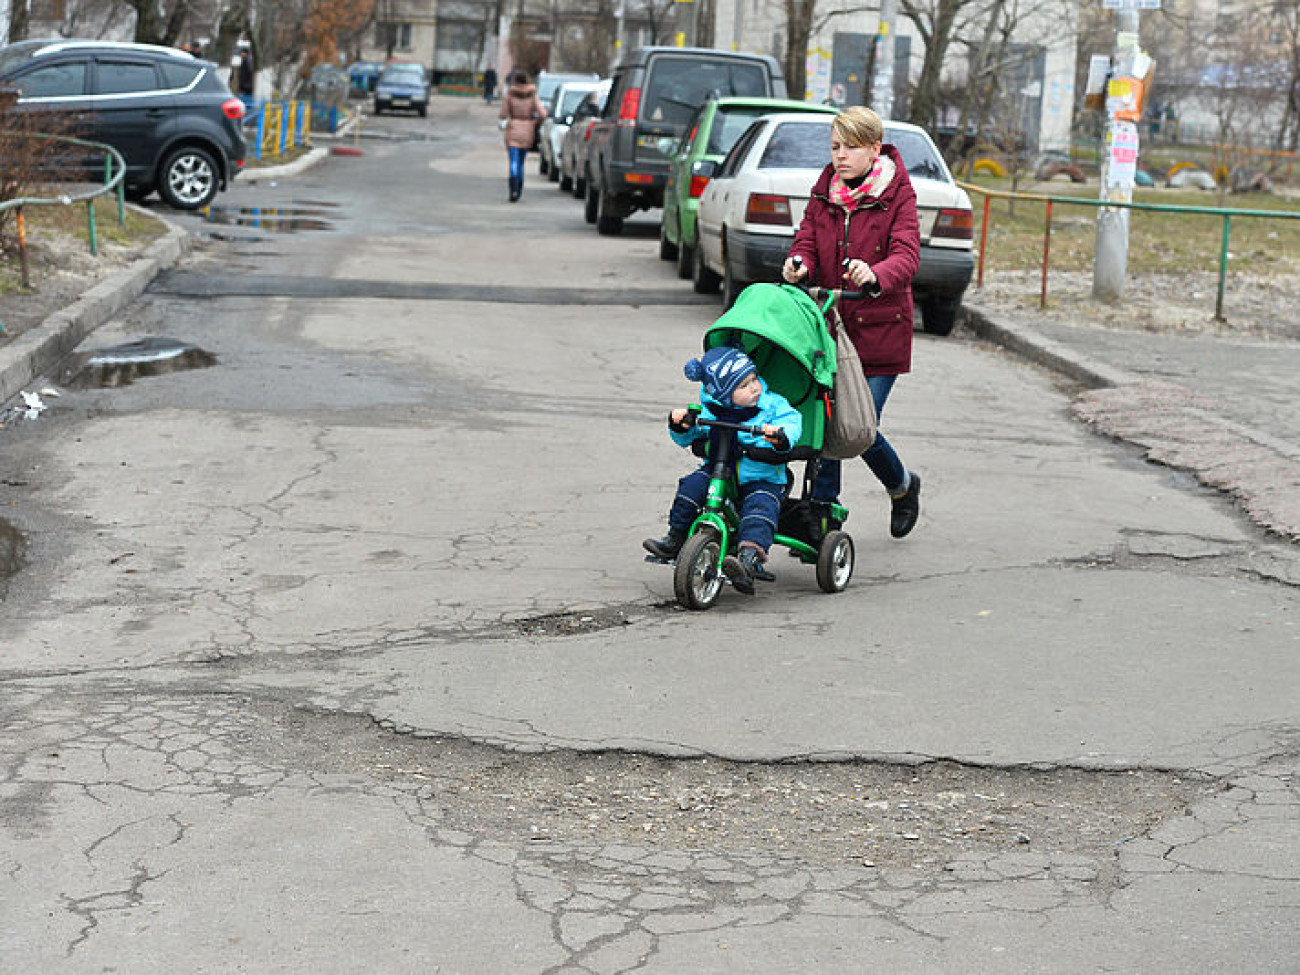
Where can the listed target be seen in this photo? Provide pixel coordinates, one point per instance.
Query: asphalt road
(340, 655)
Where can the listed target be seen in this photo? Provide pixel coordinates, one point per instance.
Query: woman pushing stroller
(732, 391)
(860, 228)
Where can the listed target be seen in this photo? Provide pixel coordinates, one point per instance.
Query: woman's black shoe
(906, 509)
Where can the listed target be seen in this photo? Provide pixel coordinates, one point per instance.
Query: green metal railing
(114, 173)
(1224, 212)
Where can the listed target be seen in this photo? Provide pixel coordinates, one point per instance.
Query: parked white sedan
(756, 196)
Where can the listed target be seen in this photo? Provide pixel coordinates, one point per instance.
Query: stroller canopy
(784, 332)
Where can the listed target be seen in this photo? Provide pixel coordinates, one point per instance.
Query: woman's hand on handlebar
(794, 270)
(860, 274)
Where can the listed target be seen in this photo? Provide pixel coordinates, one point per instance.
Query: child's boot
(666, 547)
(743, 568)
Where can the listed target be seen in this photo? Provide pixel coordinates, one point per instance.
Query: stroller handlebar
(819, 294)
(753, 429)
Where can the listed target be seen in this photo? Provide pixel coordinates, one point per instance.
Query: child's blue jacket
(773, 410)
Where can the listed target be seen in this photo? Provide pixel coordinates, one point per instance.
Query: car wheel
(939, 315)
(589, 207)
(542, 168)
(667, 249)
(424, 111)
(553, 173)
(703, 279)
(188, 178)
(606, 223)
(580, 185)
(566, 183)
(685, 254)
(731, 287)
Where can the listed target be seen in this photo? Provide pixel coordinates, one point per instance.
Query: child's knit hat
(721, 370)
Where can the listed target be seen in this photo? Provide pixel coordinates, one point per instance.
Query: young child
(731, 390)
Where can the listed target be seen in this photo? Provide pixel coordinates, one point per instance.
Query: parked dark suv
(170, 115)
(655, 93)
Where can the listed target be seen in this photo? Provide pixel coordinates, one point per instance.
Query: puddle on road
(119, 365)
(12, 546)
(280, 220)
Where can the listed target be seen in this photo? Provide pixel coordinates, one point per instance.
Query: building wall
(759, 26)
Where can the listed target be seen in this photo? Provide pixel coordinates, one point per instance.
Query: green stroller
(783, 330)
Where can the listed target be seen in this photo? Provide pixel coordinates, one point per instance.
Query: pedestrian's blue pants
(880, 456)
(517, 159)
(760, 505)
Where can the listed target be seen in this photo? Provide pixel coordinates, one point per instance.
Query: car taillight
(233, 109)
(628, 108)
(586, 136)
(954, 223)
(768, 208)
(697, 186)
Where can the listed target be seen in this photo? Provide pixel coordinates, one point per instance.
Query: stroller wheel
(835, 561)
(697, 580)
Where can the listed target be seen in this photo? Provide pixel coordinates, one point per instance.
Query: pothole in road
(920, 817)
(12, 546)
(120, 365)
(572, 624)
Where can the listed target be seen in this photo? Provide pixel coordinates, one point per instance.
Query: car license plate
(926, 217)
(401, 101)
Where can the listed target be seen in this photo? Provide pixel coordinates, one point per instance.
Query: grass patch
(1158, 242)
(55, 230)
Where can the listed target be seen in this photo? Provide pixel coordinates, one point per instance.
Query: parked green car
(711, 133)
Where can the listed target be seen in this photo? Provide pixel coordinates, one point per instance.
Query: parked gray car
(655, 93)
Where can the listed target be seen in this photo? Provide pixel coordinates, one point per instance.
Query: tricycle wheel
(697, 580)
(835, 561)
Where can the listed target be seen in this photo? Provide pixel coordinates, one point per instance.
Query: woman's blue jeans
(517, 159)
(880, 456)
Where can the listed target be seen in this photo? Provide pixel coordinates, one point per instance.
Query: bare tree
(802, 23)
(936, 22)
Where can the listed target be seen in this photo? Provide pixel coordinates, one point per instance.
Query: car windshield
(798, 145)
(677, 86)
(918, 155)
(728, 125)
(403, 74)
(807, 145)
(570, 98)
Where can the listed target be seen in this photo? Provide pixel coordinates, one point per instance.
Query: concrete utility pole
(1110, 261)
(881, 83)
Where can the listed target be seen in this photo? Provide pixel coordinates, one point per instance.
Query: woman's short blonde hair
(858, 126)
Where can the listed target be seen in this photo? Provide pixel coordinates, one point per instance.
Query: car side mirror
(708, 168)
(568, 120)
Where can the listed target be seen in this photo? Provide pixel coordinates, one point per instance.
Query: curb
(37, 350)
(288, 169)
(1045, 352)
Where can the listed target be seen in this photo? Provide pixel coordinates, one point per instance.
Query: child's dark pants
(760, 504)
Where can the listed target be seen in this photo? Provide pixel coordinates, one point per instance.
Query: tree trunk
(19, 20)
(937, 34)
(798, 20)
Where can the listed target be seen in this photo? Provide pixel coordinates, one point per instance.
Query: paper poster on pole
(1094, 92)
(1121, 170)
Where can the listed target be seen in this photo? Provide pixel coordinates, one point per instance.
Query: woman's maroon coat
(883, 232)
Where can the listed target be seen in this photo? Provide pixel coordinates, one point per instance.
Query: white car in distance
(755, 200)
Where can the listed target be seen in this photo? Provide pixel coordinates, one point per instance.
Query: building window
(398, 35)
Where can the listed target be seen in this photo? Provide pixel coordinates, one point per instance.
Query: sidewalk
(1223, 407)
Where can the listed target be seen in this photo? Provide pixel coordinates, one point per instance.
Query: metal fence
(1225, 213)
(275, 127)
(114, 172)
